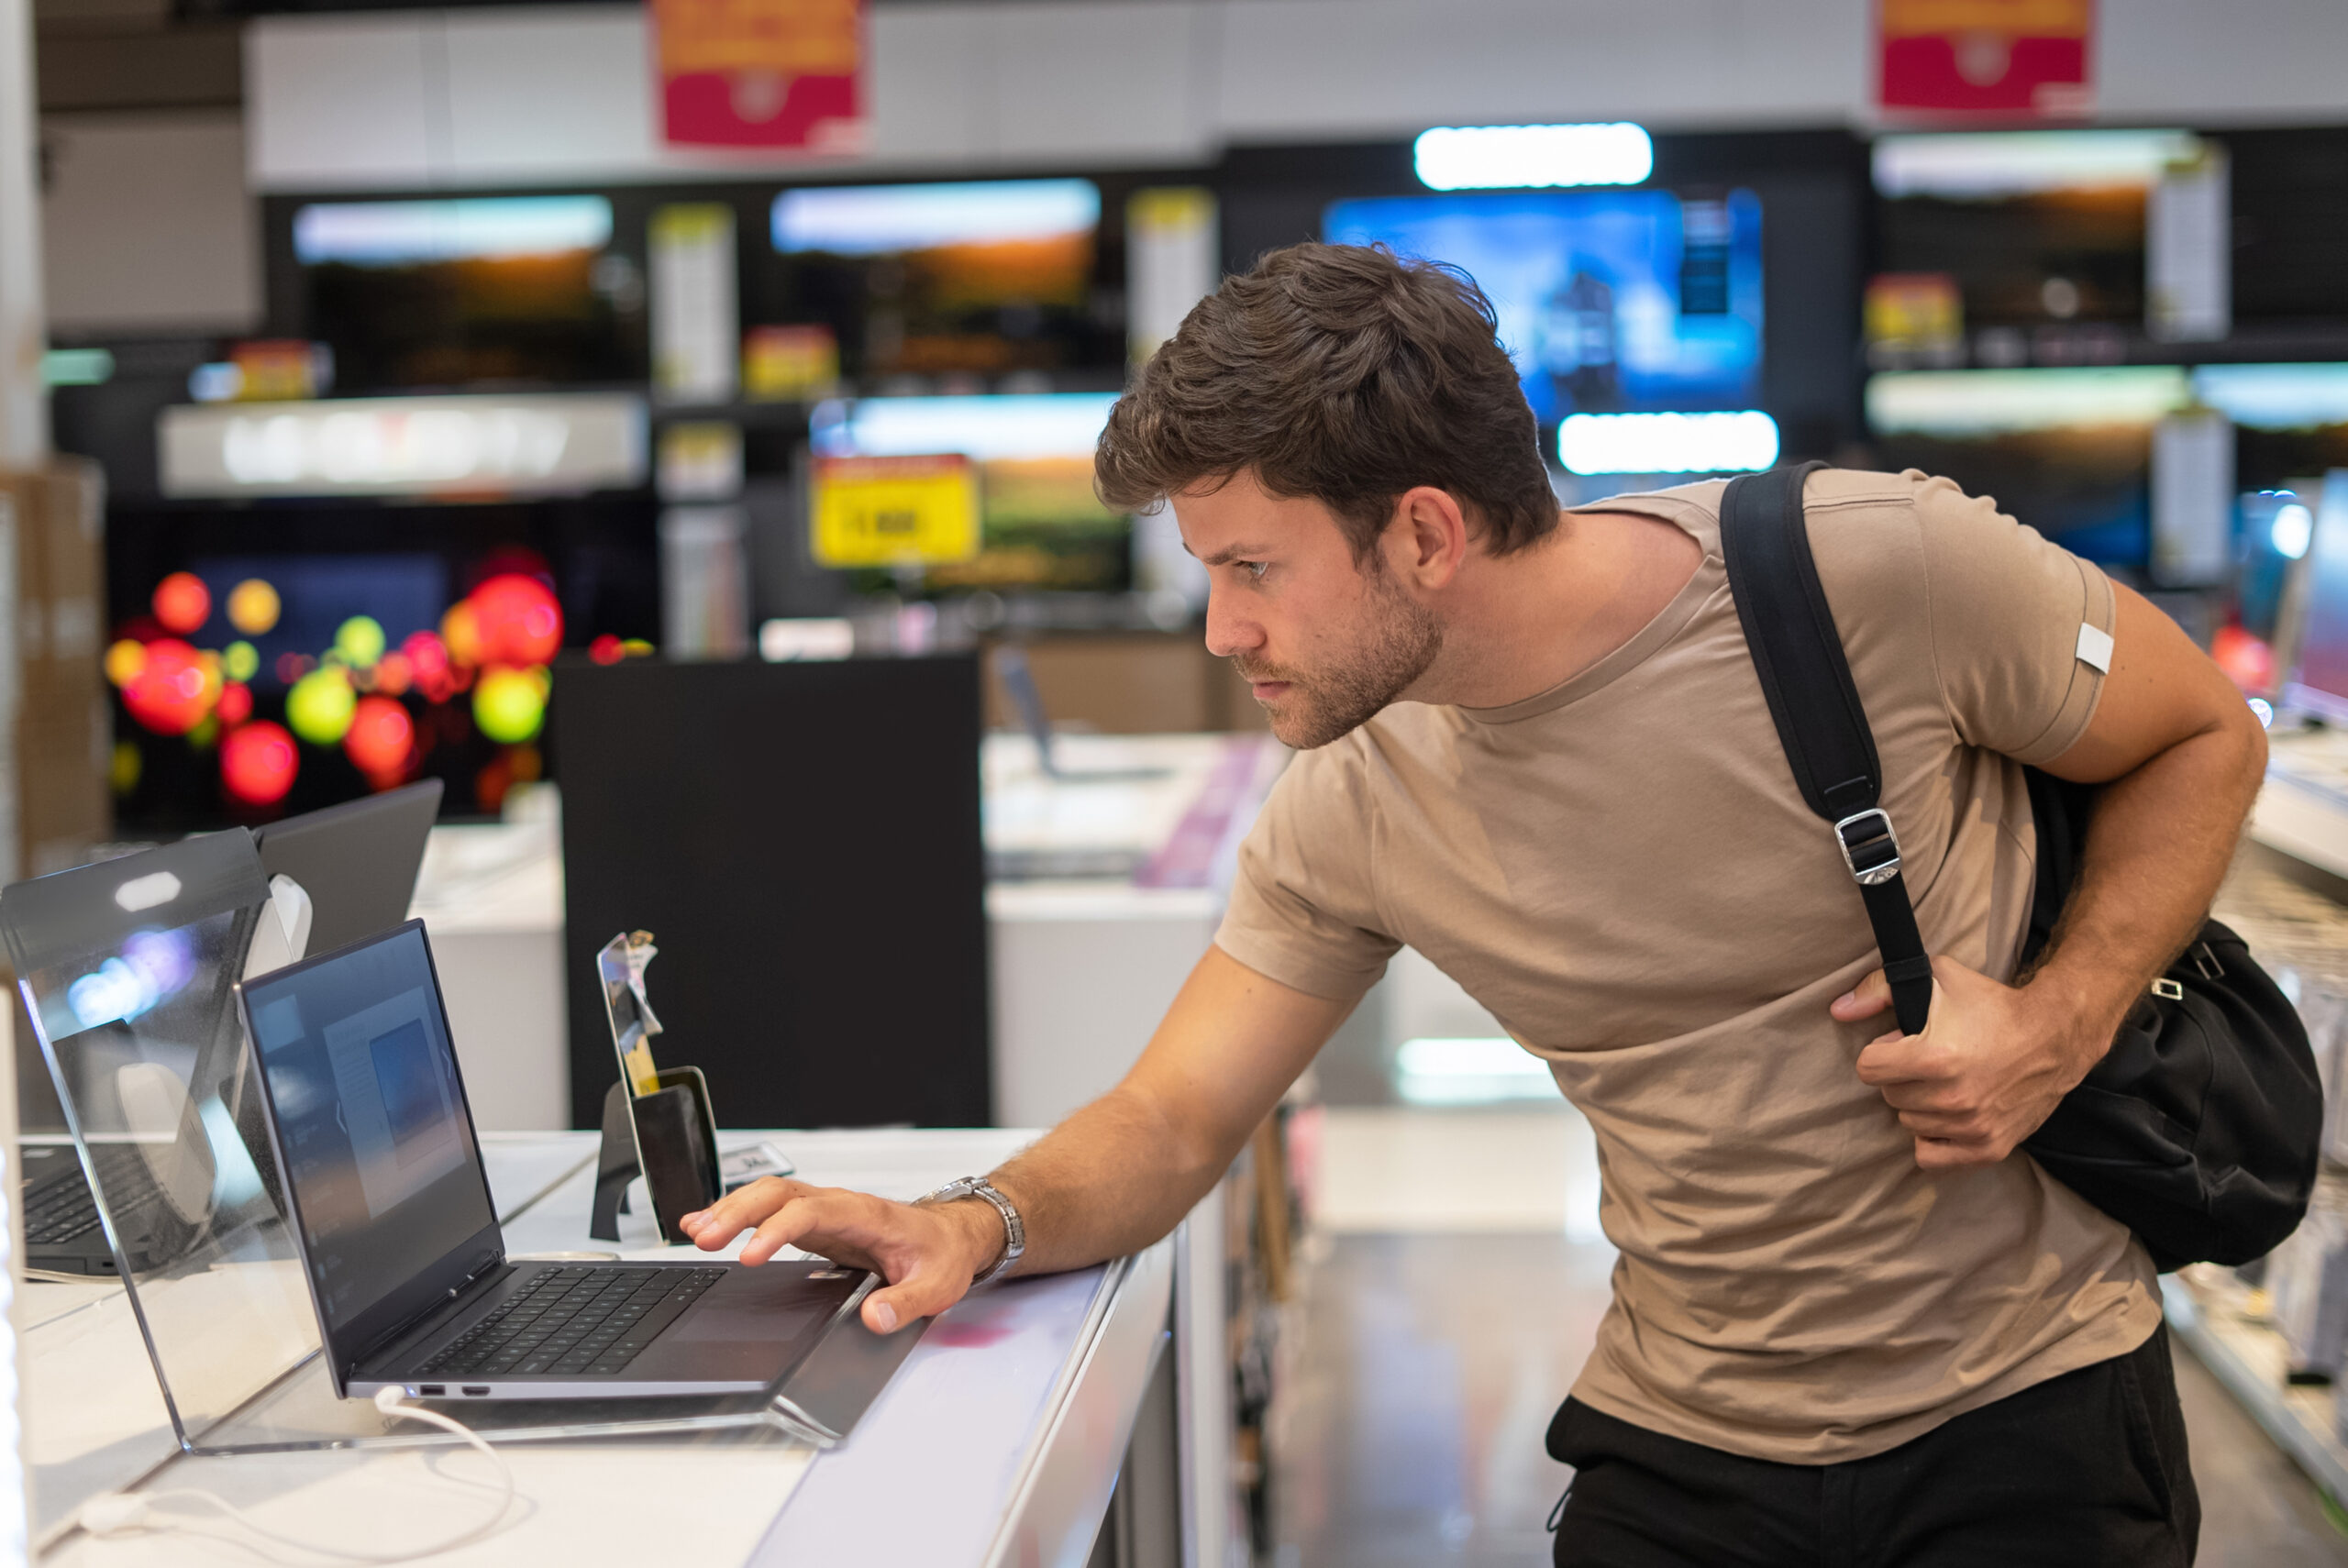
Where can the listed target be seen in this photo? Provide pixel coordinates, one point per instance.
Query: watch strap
(1014, 1230)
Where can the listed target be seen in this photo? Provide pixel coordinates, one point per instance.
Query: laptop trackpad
(746, 1330)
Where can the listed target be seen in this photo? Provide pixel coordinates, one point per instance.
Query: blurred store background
(534, 396)
(419, 350)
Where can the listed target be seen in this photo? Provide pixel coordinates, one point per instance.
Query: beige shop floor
(1456, 1282)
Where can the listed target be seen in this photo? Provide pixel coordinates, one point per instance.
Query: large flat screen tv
(2290, 421)
(2068, 452)
(518, 291)
(2038, 229)
(1608, 301)
(2068, 449)
(981, 277)
(1040, 524)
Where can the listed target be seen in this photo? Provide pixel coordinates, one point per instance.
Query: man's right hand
(1111, 1179)
(927, 1253)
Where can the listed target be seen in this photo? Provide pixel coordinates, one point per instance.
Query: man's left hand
(1988, 1070)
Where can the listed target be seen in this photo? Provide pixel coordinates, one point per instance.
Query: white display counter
(998, 1442)
(1008, 1423)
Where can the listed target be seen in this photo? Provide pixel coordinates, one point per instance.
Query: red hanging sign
(2025, 59)
(761, 73)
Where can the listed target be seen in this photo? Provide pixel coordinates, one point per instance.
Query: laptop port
(431, 1390)
(476, 1390)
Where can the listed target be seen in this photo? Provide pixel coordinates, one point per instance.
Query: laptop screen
(372, 1132)
(357, 861)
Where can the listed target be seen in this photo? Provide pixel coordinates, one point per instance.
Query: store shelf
(2303, 810)
(2302, 939)
(2248, 1357)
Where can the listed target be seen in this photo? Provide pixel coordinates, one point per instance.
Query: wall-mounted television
(2068, 452)
(2037, 228)
(2290, 421)
(980, 278)
(369, 644)
(1608, 301)
(518, 291)
(1040, 524)
(2069, 449)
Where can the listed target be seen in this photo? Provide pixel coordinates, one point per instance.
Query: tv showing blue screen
(1608, 301)
(2067, 449)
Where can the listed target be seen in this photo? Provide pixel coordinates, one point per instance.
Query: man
(1850, 1324)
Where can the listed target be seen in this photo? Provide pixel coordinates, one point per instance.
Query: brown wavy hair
(1343, 373)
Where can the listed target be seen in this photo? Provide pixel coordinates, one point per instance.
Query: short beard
(1405, 638)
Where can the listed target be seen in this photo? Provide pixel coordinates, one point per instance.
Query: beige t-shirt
(1623, 872)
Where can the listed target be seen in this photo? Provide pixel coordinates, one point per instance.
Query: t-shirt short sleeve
(2007, 607)
(1302, 908)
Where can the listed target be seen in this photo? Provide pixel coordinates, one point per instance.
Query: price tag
(894, 511)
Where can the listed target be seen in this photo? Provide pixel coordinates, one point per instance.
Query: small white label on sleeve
(2094, 647)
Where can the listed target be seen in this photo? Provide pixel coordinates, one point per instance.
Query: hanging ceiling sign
(2014, 59)
(761, 74)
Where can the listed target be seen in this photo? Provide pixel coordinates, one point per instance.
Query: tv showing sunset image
(983, 277)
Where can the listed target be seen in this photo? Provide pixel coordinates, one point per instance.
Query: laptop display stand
(127, 969)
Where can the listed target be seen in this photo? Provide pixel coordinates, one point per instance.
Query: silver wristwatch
(1014, 1230)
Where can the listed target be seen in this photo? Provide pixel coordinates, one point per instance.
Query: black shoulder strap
(1796, 652)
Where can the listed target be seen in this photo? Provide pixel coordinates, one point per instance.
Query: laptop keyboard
(58, 1209)
(573, 1322)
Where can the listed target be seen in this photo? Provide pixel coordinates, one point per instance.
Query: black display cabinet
(803, 842)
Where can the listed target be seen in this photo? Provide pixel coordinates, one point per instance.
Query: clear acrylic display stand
(128, 969)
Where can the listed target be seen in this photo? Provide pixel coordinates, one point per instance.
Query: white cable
(117, 1513)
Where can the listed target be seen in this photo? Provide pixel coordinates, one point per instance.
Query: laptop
(157, 1220)
(150, 1146)
(62, 1232)
(357, 861)
(400, 1242)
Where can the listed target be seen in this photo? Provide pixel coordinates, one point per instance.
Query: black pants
(2085, 1470)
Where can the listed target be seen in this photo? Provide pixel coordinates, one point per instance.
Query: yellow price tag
(894, 511)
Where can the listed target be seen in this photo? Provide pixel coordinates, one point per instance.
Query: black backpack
(2201, 1129)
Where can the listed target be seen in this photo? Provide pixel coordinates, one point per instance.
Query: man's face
(1324, 642)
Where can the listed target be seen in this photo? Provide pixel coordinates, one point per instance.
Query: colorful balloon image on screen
(517, 621)
(182, 603)
(258, 763)
(320, 705)
(368, 656)
(359, 641)
(510, 704)
(253, 607)
(169, 692)
(380, 737)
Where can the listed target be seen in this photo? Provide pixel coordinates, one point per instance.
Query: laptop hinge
(461, 1296)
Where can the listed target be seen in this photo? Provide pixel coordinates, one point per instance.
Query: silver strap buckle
(1869, 846)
